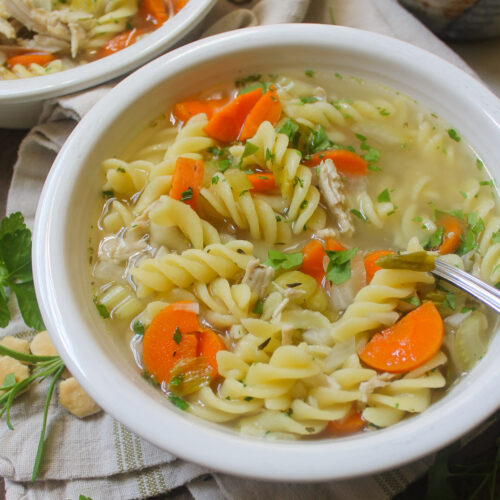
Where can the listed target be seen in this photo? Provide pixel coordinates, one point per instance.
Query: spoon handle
(472, 285)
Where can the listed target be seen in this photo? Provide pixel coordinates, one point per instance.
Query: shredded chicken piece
(258, 277)
(325, 233)
(281, 307)
(59, 24)
(331, 188)
(366, 388)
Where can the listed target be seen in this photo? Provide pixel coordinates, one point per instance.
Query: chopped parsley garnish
(317, 141)
(338, 75)
(417, 219)
(177, 335)
(187, 195)
(101, 308)
(495, 237)
(177, 380)
(215, 179)
(359, 215)
(291, 129)
(269, 155)
(108, 194)
(308, 99)
(309, 73)
(240, 82)
(262, 85)
(304, 204)
(338, 270)
(298, 180)
(479, 164)
(486, 183)
(138, 328)
(277, 259)
(179, 402)
(258, 307)
(374, 168)
(215, 151)
(384, 196)
(450, 301)
(248, 398)
(453, 134)
(372, 155)
(414, 301)
(435, 240)
(384, 112)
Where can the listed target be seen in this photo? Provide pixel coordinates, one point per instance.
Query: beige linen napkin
(98, 457)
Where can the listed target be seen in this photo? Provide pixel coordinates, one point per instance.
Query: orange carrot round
(345, 161)
(371, 266)
(225, 125)
(262, 181)
(186, 180)
(209, 345)
(267, 108)
(169, 338)
(119, 42)
(451, 237)
(153, 11)
(40, 58)
(183, 111)
(352, 422)
(407, 344)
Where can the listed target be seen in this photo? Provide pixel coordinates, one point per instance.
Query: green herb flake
(374, 168)
(176, 380)
(277, 259)
(250, 149)
(359, 215)
(248, 398)
(417, 219)
(107, 194)
(264, 86)
(384, 112)
(414, 301)
(486, 183)
(317, 141)
(269, 155)
(338, 75)
(450, 301)
(310, 429)
(304, 204)
(465, 310)
(187, 195)
(291, 129)
(308, 99)
(298, 180)
(384, 196)
(338, 270)
(240, 82)
(453, 134)
(179, 402)
(138, 328)
(177, 336)
(372, 155)
(463, 194)
(215, 179)
(309, 73)
(101, 308)
(495, 237)
(258, 307)
(479, 164)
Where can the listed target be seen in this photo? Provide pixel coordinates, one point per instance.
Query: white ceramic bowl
(106, 369)
(21, 100)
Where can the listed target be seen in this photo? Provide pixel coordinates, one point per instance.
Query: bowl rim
(110, 67)
(221, 450)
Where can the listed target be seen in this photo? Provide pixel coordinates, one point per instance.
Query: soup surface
(39, 37)
(265, 249)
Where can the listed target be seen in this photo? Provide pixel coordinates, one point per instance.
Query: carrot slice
(370, 262)
(153, 11)
(347, 162)
(267, 108)
(452, 232)
(352, 422)
(119, 42)
(407, 344)
(210, 344)
(225, 125)
(170, 338)
(186, 180)
(183, 111)
(40, 58)
(313, 255)
(262, 181)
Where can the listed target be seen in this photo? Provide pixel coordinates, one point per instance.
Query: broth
(284, 274)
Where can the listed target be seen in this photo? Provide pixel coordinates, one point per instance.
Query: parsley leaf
(258, 307)
(308, 99)
(359, 215)
(384, 196)
(250, 149)
(179, 402)
(138, 328)
(291, 129)
(495, 238)
(317, 141)
(15, 271)
(187, 195)
(338, 270)
(177, 336)
(453, 134)
(309, 73)
(450, 301)
(277, 259)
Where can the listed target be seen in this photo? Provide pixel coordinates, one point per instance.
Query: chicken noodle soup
(39, 37)
(266, 248)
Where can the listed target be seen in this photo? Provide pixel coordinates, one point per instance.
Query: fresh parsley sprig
(43, 367)
(15, 272)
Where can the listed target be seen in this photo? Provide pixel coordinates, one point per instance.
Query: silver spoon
(472, 285)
